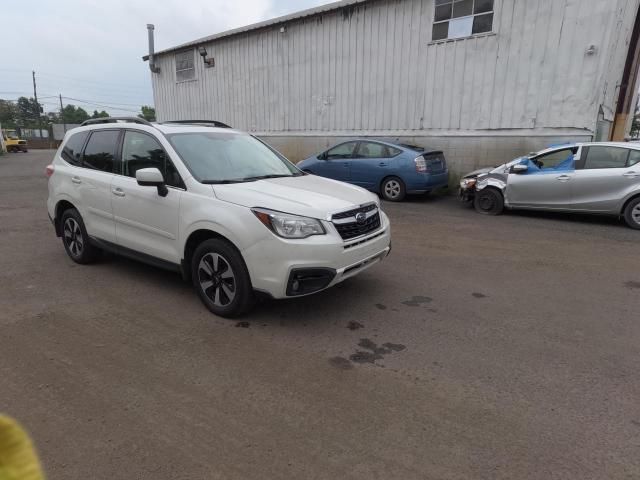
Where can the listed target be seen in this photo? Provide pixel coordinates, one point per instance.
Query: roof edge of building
(265, 23)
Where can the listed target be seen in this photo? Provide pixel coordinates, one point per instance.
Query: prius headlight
(286, 225)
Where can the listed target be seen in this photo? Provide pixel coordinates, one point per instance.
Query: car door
(93, 183)
(145, 221)
(336, 162)
(371, 162)
(604, 176)
(546, 184)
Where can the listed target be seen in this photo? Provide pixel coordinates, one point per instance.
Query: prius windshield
(229, 157)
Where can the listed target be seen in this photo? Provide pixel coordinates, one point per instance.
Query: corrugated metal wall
(372, 68)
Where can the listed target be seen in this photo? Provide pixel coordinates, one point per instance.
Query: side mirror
(151, 177)
(322, 156)
(519, 168)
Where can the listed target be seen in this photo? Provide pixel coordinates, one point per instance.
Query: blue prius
(389, 169)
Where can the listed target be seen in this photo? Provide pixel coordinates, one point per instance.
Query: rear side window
(606, 157)
(100, 150)
(634, 157)
(376, 150)
(72, 150)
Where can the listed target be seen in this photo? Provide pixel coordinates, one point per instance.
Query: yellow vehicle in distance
(13, 142)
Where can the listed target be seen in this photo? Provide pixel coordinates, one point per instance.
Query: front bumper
(467, 195)
(274, 262)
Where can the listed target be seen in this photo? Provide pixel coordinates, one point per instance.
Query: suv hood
(308, 195)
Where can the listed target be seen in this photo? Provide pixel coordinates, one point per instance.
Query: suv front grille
(348, 225)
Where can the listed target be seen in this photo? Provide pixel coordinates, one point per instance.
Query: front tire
(221, 278)
(75, 238)
(393, 189)
(632, 214)
(489, 201)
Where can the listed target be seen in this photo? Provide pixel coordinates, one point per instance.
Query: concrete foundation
(463, 153)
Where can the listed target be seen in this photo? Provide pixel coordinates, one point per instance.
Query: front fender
(485, 182)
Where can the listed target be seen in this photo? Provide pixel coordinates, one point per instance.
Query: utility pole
(35, 96)
(64, 122)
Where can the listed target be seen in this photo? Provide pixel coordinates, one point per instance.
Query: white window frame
(467, 18)
(192, 75)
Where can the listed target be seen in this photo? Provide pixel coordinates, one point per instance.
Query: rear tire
(75, 238)
(393, 189)
(632, 214)
(489, 201)
(221, 278)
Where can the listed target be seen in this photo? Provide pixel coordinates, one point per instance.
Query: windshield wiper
(263, 177)
(225, 182)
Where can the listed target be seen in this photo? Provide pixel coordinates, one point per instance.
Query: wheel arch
(628, 201)
(62, 206)
(194, 239)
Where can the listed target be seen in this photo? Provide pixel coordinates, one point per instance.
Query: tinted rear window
(100, 150)
(72, 151)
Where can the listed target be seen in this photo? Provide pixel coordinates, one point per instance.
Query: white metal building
(485, 80)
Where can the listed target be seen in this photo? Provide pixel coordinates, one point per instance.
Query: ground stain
(364, 357)
(632, 284)
(396, 347)
(375, 352)
(380, 306)
(243, 324)
(353, 325)
(341, 363)
(417, 300)
(479, 295)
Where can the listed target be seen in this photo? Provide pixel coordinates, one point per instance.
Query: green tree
(101, 114)
(73, 114)
(28, 112)
(8, 114)
(148, 113)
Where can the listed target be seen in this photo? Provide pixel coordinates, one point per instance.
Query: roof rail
(213, 123)
(96, 121)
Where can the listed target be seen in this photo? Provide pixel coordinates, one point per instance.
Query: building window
(461, 18)
(185, 69)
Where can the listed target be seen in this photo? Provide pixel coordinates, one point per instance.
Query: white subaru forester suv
(216, 204)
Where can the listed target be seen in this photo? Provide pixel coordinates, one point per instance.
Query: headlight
(286, 225)
(467, 183)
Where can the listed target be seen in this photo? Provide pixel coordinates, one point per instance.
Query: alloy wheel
(217, 279)
(635, 214)
(392, 188)
(73, 237)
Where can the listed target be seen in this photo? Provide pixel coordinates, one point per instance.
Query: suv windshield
(229, 157)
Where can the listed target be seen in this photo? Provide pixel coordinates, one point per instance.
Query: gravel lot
(482, 348)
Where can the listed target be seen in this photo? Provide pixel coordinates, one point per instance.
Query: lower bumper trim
(303, 281)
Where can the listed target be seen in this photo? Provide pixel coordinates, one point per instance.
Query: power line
(106, 102)
(100, 105)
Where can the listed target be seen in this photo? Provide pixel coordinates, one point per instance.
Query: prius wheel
(489, 201)
(75, 238)
(632, 213)
(221, 278)
(393, 189)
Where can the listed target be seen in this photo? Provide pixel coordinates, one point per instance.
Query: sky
(91, 51)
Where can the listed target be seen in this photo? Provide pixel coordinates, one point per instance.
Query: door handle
(118, 192)
(563, 178)
(631, 174)
(382, 164)
(346, 164)
(76, 180)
